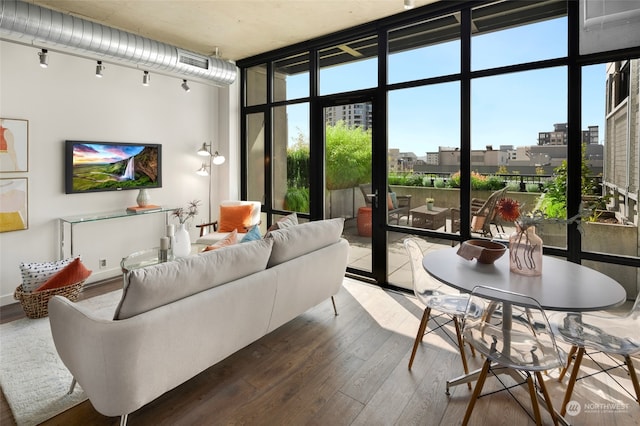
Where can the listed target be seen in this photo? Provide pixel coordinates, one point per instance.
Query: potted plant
(429, 201)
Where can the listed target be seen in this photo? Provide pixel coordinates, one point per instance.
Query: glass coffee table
(149, 257)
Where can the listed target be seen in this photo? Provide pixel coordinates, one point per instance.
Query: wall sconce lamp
(44, 58)
(99, 69)
(185, 86)
(408, 4)
(146, 78)
(214, 158)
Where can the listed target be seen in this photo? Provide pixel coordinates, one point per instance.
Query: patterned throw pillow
(34, 274)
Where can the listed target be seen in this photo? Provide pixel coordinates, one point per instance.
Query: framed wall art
(14, 213)
(14, 145)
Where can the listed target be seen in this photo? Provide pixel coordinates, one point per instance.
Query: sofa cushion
(73, 273)
(235, 217)
(295, 241)
(285, 222)
(157, 285)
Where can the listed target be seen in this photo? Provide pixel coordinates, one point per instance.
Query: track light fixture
(44, 59)
(185, 86)
(99, 69)
(146, 78)
(408, 4)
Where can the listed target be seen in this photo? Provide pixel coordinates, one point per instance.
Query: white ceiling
(237, 28)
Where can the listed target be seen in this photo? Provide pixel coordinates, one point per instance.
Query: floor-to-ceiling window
(469, 99)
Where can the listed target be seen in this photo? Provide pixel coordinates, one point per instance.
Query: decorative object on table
(163, 253)
(14, 214)
(171, 234)
(525, 246)
(145, 209)
(182, 241)
(14, 145)
(143, 198)
(483, 250)
(429, 202)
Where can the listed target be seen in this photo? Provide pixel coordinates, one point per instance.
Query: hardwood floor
(350, 369)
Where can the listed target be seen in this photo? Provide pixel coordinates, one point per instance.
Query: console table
(93, 217)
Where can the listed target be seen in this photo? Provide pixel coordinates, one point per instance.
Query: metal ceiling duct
(30, 24)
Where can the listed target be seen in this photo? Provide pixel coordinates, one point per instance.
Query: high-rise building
(353, 115)
(559, 135)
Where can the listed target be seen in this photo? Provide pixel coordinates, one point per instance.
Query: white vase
(143, 198)
(181, 242)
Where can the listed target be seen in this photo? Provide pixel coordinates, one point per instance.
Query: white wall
(66, 101)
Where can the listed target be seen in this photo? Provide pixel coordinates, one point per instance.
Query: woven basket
(36, 304)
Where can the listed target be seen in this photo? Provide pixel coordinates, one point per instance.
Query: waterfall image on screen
(129, 172)
(105, 166)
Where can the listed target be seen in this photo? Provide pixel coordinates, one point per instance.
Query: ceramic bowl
(489, 251)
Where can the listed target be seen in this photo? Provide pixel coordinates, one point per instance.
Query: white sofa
(178, 318)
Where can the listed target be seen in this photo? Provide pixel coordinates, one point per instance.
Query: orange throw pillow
(229, 240)
(72, 273)
(235, 217)
(389, 202)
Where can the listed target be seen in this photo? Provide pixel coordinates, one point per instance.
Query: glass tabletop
(151, 256)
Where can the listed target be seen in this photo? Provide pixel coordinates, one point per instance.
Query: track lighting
(185, 86)
(99, 69)
(146, 78)
(44, 59)
(408, 4)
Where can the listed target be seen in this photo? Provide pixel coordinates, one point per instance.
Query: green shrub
(297, 200)
(348, 156)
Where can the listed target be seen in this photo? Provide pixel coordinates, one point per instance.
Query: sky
(505, 110)
(93, 153)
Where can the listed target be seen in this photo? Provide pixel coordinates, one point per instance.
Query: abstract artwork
(14, 145)
(13, 204)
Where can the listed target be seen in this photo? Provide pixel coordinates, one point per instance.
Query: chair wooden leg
(534, 400)
(420, 335)
(461, 347)
(476, 391)
(634, 377)
(572, 352)
(547, 398)
(572, 381)
(335, 310)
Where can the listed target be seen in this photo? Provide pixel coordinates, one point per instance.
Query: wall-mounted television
(111, 166)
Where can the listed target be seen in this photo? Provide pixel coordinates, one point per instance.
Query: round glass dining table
(563, 285)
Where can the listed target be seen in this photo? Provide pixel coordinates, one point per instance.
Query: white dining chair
(598, 332)
(435, 296)
(512, 331)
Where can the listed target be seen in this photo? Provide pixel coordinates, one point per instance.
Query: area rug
(34, 380)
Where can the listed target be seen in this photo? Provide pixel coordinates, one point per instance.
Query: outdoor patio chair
(399, 208)
(483, 215)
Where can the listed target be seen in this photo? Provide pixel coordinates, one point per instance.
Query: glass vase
(525, 251)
